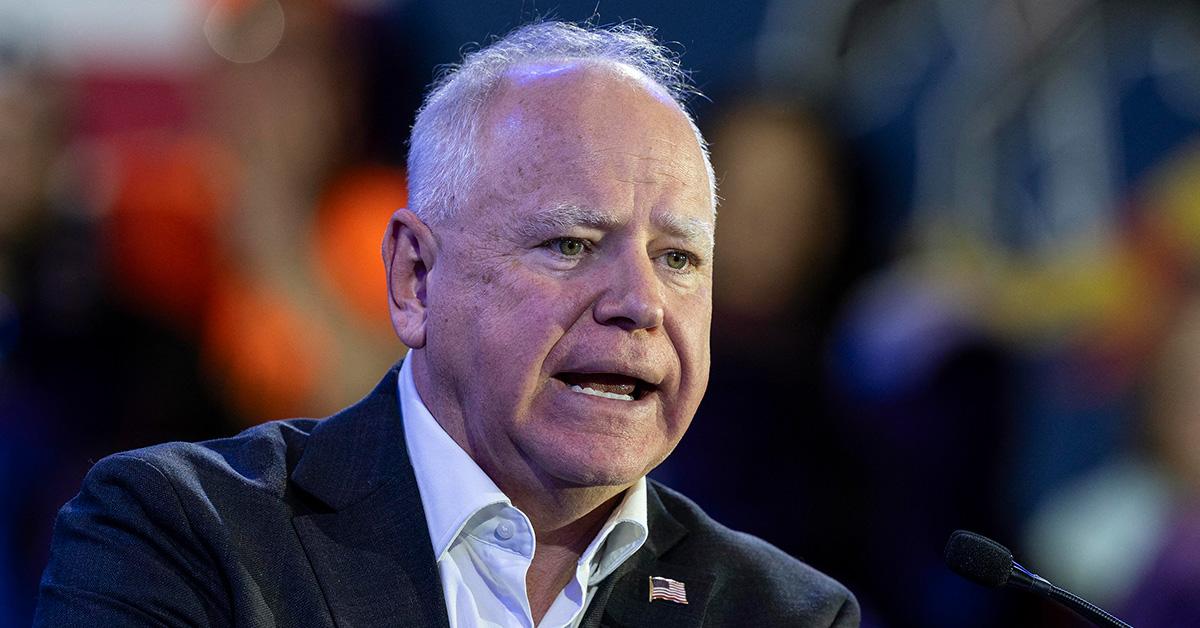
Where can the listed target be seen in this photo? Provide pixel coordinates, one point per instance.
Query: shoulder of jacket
(260, 458)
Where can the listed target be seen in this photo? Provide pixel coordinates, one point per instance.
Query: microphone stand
(1022, 578)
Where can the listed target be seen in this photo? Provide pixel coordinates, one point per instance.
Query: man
(553, 281)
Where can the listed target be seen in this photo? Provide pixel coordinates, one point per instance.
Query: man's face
(570, 301)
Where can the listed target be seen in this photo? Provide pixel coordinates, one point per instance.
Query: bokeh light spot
(245, 31)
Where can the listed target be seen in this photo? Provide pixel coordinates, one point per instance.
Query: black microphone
(984, 561)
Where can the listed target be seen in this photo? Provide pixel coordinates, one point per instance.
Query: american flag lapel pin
(667, 589)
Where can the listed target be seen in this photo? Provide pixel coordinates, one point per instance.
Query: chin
(597, 477)
(601, 447)
(599, 466)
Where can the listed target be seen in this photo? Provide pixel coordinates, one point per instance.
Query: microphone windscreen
(978, 558)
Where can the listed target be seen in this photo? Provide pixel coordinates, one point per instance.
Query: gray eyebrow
(695, 230)
(562, 217)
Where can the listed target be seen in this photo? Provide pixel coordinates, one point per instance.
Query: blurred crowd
(956, 278)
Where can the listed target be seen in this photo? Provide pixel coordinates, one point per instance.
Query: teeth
(600, 393)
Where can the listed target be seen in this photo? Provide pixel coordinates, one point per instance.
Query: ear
(409, 251)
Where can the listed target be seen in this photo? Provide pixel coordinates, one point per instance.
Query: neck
(566, 518)
(557, 554)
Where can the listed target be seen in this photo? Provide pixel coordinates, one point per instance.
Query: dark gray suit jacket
(319, 523)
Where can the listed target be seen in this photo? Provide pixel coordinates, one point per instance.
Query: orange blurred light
(350, 226)
(162, 234)
(267, 353)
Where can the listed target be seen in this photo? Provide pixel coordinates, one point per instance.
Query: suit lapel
(366, 534)
(623, 599)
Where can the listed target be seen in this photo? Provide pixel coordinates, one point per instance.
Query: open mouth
(607, 385)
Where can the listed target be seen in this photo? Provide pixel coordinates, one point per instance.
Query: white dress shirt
(484, 545)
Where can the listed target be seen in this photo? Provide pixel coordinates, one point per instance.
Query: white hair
(442, 163)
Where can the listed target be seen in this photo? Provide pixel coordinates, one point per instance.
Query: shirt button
(504, 531)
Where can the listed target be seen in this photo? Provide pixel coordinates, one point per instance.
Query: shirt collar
(622, 535)
(454, 489)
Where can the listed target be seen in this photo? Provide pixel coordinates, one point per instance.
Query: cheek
(516, 318)
(695, 321)
(690, 336)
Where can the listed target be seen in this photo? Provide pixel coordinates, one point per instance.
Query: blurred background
(956, 282)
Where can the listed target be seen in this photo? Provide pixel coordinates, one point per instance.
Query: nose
(633, 298)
